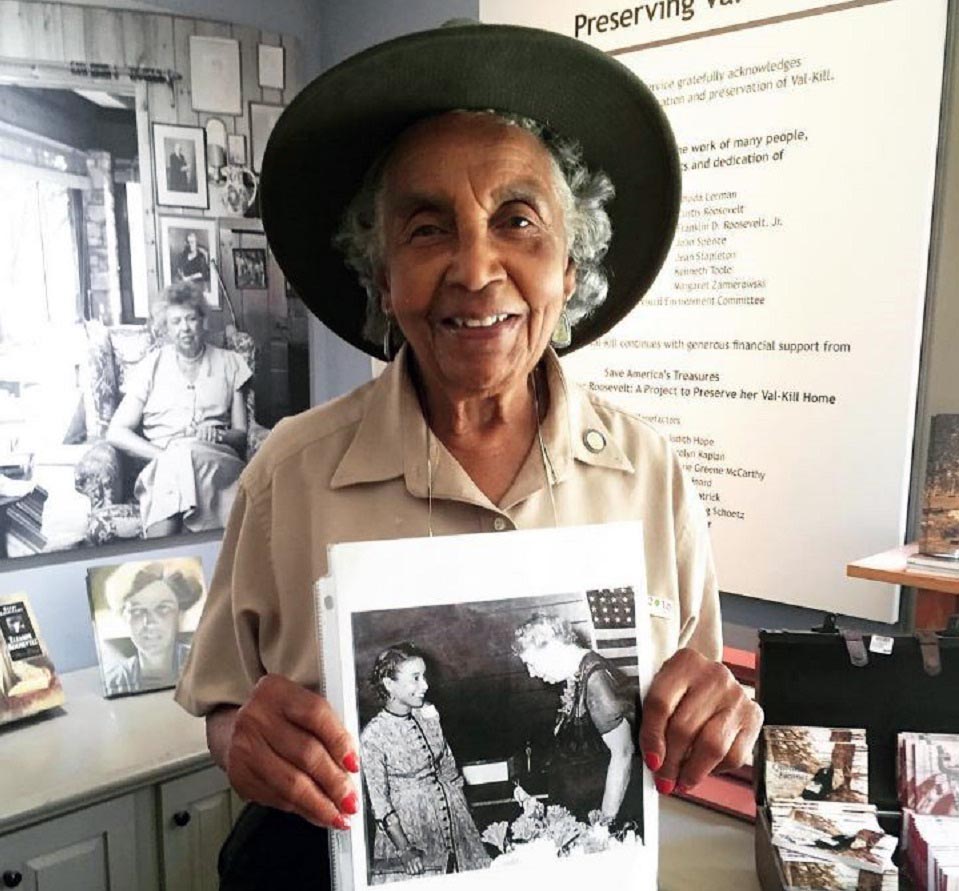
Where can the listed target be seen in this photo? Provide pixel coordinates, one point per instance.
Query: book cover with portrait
(144, 615)
(28, 680)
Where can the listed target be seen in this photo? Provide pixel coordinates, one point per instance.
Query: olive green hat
(333, 130)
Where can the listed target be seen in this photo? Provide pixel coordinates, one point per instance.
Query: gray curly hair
(583, 193)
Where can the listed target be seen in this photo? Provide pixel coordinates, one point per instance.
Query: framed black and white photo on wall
(188, 252)
(179, 163)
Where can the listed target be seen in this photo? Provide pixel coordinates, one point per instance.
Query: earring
(388, 339)
(562, 335)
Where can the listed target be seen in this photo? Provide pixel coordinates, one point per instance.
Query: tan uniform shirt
(355, 469)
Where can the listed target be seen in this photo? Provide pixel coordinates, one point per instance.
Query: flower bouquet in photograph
(544, 832)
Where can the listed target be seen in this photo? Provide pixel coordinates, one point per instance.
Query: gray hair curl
(583, 194)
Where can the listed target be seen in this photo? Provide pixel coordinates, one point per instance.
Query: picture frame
(144, 612)
(249, 268)
(215, 75)
(182, 261)
(263, 118)
(236, 149)
(180, 166)
(270, 61)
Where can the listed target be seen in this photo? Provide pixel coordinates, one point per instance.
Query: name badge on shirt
(660, 607)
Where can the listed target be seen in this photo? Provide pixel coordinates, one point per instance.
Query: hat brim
(333, 130)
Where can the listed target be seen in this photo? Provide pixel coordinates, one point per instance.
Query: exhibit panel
(780, 346)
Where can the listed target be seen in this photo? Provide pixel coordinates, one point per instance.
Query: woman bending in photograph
(152, 607)
(416, 791)
(184, 411)
(591, 768)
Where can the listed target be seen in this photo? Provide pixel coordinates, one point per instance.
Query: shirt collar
(391, 440)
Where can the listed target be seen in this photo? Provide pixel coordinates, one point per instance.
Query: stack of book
(25, 522)
(826, 833)
(928, 780)
(937, 565)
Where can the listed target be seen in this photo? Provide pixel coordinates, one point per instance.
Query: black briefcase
(831, 678)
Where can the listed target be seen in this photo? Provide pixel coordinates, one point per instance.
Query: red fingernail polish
(665, 787)
(351, 762)
(341, 822)
(350, 804)
(653, 761)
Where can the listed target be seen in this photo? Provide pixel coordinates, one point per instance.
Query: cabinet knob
(12, 878)
(181, 818)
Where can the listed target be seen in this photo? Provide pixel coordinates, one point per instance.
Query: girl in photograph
(423, 824)
(185, 413)
(151, 606)
(591, 769)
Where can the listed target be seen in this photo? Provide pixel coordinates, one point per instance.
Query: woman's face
(475, 264)
(409, 686)
(184, 327)
(545, 662)
(154, 617)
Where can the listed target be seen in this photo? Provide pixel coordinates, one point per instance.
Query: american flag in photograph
(613, 614)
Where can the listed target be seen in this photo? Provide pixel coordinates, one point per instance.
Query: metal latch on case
(929, 649)
(856, 648)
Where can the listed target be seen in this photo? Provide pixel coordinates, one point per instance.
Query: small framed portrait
(188, 252)
(144, 615)
(271, 66)
(215, 75)
(249, 268)
(236, 149)
(179, 163)
(263, 119)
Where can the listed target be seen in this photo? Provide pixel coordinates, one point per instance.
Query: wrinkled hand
(696, 720)
(288, 750)
(412, 859)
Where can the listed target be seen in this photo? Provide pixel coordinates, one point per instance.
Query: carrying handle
(929, 648)
(856, 647)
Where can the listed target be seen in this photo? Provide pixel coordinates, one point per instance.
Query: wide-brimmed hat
(335, 128)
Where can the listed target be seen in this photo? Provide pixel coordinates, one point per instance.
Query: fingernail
(682, 787)
(665, 787)
(653, 761)
(350, 804)
(341, 822)
(351, 762)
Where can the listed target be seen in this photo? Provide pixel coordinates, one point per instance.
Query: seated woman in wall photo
(184, 411)
(423, 823)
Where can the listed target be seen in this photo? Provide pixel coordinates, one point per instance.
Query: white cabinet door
(93, 849)
(196, 814)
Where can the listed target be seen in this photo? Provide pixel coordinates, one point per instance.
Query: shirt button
(499, 524)
(594, 440)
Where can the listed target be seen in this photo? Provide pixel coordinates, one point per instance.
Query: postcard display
(460, 599)
(843, 679)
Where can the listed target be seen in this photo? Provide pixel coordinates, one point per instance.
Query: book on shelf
(28, 680)
(927, 564)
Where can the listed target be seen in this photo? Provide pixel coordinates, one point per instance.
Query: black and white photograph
(144, 615)
(180, 166)
(215, 75)
(496, 732)
(95, 227)
(263, 119)
(270, 66)
(236, 149)
(189, 249)
(249, 267)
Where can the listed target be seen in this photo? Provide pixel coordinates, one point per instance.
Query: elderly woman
(591, 765)
(479, 238)
(151, 606)
(184, 412)
(423, 823)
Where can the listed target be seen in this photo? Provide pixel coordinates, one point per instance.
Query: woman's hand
(696, 720)
(412, 859)
(287, 749)
(209, 431)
